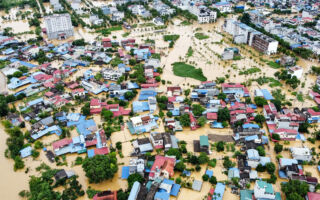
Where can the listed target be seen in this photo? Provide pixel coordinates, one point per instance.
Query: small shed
(197, 185)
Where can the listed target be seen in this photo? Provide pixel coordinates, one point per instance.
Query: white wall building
(59, 26)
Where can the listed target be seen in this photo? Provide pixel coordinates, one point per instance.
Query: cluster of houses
(292, 29)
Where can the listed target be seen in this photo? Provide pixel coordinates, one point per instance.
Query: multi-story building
(264, 44)
(59, 26)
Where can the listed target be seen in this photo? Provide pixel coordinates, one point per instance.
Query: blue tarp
(162, 196)
(282, 174)
(251, 138)
(90, 153)
(300, 137)
(250, 126)
(319, 168)
(209, 173)
(266, 94)
(175, 190)
(187, 173)
(125, 172)
(219, 191)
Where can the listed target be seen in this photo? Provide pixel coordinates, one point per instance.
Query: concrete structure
(264, 44)
(301, 154)
(296, 71)
(59, 26)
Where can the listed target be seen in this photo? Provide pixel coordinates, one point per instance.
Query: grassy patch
(201, 36)
(190, 52)
(273, 65)
(300, 97)
(185, 70)
(272, 82)
(126, 34)
(250, 71)
(156, 56)
(171, 37)
(185, 23)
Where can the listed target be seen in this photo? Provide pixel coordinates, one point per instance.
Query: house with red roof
(286, 134)
(79, 92)
(174, 91)
(193, 122)
(235, 88)
(163, 166)
(61, 144)
(313, 196)
(96, 107)
(269, 111)
(212, 117)
(106, 195)
(313, 116)
(106, 43)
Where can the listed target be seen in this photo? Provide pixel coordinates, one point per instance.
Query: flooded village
(159, 99)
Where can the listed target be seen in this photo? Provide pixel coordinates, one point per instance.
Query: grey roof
(197, 185)
(47, 121)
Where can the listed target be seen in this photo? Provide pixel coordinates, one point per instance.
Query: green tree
(271, 168)
(85, 110)
(202, 121)
(18, 163)
(205, 177)
(185, 120)
(180, 166)
(106, 114)
(220, 146)
(275, 136)
(133, 178)
(227, 163)
(174, 152)
(222, 96)
(197, 109)
(260, 101)
(259, 119)
(278, 148)
(261, 151)
(203, 158)
(100, 167)
(295, 186)
(213, 180)
(223, 114)
(245, 18)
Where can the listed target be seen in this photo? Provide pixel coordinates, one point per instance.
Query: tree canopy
(100, 167)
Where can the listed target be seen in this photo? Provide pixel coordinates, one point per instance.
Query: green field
(273, 65)
(201, 36)
(171, 37)
(185, 70)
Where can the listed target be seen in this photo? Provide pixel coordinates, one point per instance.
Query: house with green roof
(246, 194)
(264, 191)
(204, 143)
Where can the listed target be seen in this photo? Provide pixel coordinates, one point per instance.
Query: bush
(205, 177)
(278, 148)
(213, 180)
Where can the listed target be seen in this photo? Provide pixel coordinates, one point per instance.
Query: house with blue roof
(134, 191)
(146, 93)
(219, 191)
(16, 83)
(140, 106)
(52, 129)
(142, 124)
(25, 152)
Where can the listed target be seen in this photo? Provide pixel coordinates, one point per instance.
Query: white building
(223, 6)
(204, 14)
(59, 26)
(302, 154)
(263, 190)
(296, 71)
